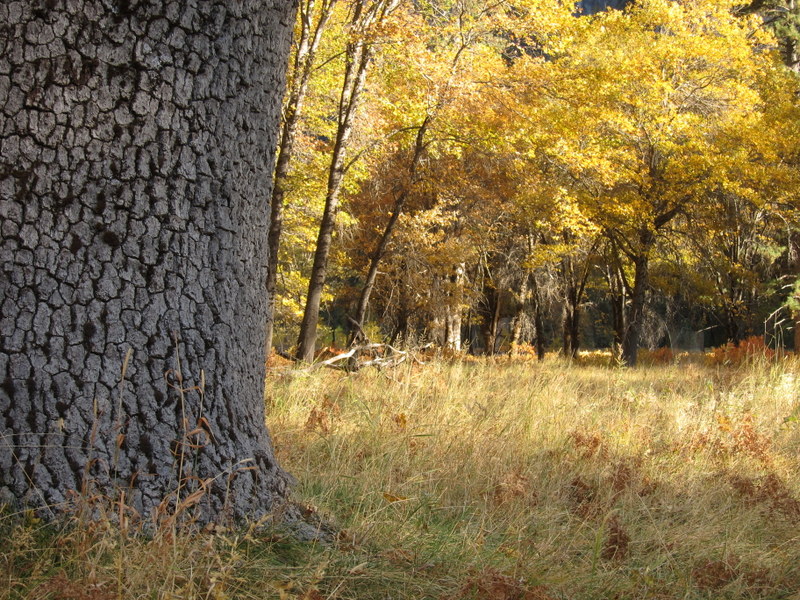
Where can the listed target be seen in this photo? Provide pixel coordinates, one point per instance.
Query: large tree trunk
(137, 144)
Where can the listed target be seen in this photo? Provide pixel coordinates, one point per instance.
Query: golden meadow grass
(495, 480)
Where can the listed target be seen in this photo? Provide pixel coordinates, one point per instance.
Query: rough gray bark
(137, 149)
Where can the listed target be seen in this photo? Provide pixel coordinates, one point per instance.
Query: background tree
(645, 135)
(488, 129)
(367, 18)
(428, 74)
(312, 22)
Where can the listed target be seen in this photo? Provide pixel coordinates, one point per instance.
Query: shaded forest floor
(491, 480)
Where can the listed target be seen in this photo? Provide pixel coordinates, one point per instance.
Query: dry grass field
(487, 479)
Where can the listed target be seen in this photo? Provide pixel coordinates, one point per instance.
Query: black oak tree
(137, 141)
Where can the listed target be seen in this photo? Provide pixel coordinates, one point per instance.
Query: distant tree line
(566, 177)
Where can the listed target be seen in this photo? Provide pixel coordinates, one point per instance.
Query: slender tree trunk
(538, 324)
(796, 316)
(794, 245)
(538, 319)
(618, 321)
(359, 54)
(310, 37)
(403, 314)
(452, 316)
(570, 321)
(357, 70)
(575, 285)
(516, 330)
(631, 341)
(489, 309)
(491, 319)
(452, 328)
(137, 151)
(568, 306)
(523, 300)
(401, 328)
(618, 298)
(372, 272)
(571, 325)
(733, 328)
(383, 244)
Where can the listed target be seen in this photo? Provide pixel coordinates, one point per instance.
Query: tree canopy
(638, 163)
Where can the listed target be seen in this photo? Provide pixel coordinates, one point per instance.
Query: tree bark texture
(137, 150)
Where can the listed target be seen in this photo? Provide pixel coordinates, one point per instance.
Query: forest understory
(494, 479)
